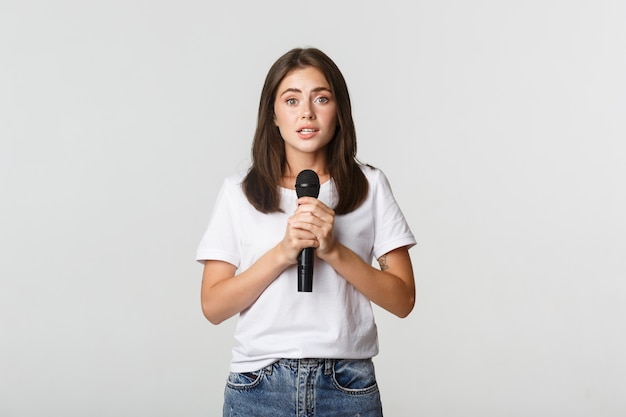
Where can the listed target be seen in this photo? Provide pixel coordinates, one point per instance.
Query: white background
(500, 125)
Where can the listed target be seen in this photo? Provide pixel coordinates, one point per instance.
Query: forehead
(299, 78)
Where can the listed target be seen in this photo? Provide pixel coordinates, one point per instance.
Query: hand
(313, 224)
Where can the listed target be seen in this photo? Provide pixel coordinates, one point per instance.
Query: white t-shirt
(335, 320)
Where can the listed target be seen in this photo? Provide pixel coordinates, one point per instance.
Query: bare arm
(392, 287)
(223, 294)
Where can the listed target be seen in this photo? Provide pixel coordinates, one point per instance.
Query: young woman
(305, 353)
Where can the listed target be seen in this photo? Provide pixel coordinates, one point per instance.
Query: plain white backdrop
(500, 125)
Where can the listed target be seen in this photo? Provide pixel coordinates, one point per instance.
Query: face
(305, 111)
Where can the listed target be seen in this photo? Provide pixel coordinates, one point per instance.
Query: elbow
(214, 321)
(404, 313)
(211, 316)
(406, 308)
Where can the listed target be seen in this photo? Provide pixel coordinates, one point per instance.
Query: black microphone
(307, 185)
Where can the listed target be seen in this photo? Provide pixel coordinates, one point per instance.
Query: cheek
(330, 114)
(332, 119)
(281, 117)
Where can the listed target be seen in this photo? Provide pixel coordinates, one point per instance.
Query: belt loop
(328, 366)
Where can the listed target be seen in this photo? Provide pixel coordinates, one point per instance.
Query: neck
(294, 166)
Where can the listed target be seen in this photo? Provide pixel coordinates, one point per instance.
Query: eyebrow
(296, 90)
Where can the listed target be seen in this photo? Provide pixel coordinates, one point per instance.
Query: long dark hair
(268, 149)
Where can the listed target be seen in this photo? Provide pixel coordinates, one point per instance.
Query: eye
(291, 101)
(322, 100)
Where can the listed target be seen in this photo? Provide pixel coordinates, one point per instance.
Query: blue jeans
(305, 388)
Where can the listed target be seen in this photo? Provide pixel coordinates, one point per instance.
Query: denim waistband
(308, 363)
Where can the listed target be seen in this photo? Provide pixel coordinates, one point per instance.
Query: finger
(324, 214)
(308, 200)
(307, 221)
(305, 201)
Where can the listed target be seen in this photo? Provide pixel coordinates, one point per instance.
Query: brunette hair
(268, 149)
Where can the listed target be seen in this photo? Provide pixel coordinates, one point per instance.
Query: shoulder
(232, 183)
(231, 187)
(236, 178)
(375, 176)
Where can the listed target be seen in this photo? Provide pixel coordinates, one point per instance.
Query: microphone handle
(305, 270)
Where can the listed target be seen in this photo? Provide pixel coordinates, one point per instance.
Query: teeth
(307, 130)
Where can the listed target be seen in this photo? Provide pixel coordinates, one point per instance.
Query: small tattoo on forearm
(382, 261)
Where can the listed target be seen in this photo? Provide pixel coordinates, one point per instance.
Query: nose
(307, 113)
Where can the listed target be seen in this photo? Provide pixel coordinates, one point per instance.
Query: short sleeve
(221, 240)
(390, 228)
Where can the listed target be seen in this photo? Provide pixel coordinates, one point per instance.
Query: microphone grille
(307, 184)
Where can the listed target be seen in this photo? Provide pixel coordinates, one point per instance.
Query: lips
(307, 130)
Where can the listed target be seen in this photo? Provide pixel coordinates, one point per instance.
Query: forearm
(392, 289)
(225, 295)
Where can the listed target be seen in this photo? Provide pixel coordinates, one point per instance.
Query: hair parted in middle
(268, 149)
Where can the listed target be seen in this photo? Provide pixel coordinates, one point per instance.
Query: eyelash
(322, 100)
